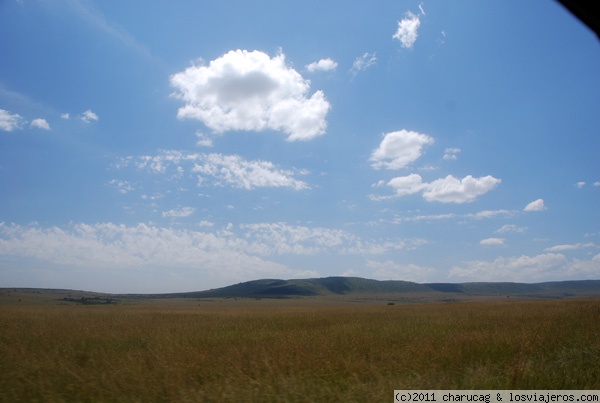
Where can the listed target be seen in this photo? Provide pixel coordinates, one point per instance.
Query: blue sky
(153, 147)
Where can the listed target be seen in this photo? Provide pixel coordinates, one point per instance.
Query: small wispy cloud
(510, 228)
(10, 121)
(40, 124)
(426, 217)
(442, 40)
(179, 213)
(89, 116)
(451, 153)
(486, 214)
(559, 248)
(204, 140)
(123, 186)
(390, 270)
(399, 149)
(492, 213)
(536, 205)
(407, 31)
(322, 65)
(361, 63)
(492, 242)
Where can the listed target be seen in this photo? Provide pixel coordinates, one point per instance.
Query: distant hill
(271, 288)
(361, 287)
(350, 288)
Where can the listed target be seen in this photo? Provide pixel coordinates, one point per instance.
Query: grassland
(292, 351)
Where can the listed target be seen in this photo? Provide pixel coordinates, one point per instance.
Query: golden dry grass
(293, 352)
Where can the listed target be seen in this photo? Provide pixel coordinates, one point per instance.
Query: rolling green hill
(360, 287)
(352, 288)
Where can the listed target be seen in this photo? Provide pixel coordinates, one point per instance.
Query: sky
(151, 147)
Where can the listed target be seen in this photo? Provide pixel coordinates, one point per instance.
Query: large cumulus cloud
(249, 90)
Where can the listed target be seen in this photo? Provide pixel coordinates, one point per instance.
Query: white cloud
(511, 228)
(123, 186)
(322, 65)
(444, 190)
(162, 162)
(251, 91)
(65, 116)
(107, 253)
(597, 183)
(492, 213)
(205, 223)
(9, 122)
(282, 238)
(422, 217)
(378, 247)
(585, 269)
(407, 31)
(453, 190)
(399, 149)
(544, 267)
(580, 184)
(149, 254)
(361, 63)
(451, 153)
(559, 248)
(153, 197)
(179, 213)
(442, 40)
(350, 273)
(236, 171)
(406, 185)
(40, 124)
(218, 169)
(389, 270)
(492, 242)
(536, 205)
(306, 274)
(88, 116)
(203, 140)
(478, 216)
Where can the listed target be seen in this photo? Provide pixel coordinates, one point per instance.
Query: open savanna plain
(290, 350)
